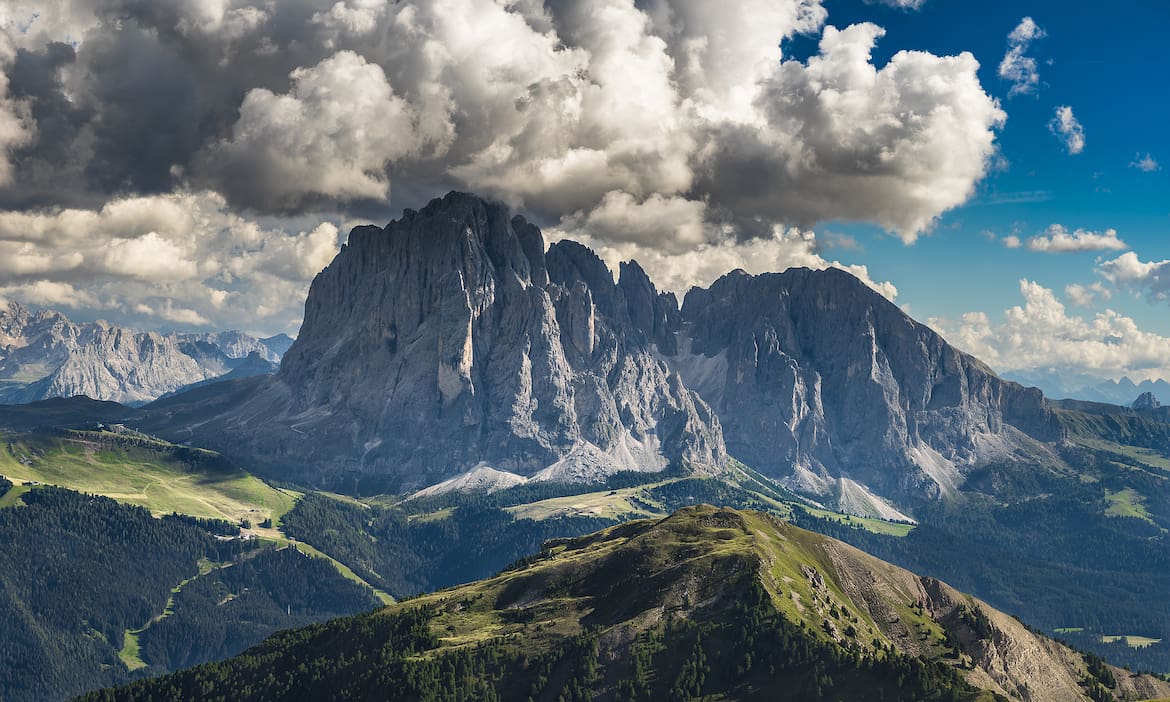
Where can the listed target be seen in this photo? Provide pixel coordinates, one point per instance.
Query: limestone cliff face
(821, 382)
(451, 340)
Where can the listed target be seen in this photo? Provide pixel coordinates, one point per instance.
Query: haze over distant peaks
(43, 354)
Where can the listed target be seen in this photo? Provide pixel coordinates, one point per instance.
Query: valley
(369, 472)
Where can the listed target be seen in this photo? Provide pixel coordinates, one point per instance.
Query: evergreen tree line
(78, 571)
(746, 650)
(407, 556)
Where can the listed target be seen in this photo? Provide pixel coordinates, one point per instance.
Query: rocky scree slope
(451, 342)
(707, 603)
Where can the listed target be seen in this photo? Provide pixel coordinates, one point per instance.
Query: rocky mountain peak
(823, 383)
(450, 340)
(1146, 401)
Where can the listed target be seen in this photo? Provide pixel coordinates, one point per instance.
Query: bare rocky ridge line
(821, 383)
(453, 343)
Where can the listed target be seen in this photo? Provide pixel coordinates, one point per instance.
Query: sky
(998, 169)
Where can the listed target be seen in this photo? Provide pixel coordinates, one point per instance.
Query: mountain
(707, 603)
(451, 341)
(1145, 401)
(451, 347)
(43, 354)
(250, 366)
(1089, 388)
(824, 384)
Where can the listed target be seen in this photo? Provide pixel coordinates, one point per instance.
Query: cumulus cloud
(1041, 334)
(1145, 164)
(1086, 295)
(684, 267)
(332, 135)
(1065, 126)
(642, 123)
(181, 258)
(1017, 67)
(1058, 239)
(352, 16)
(1129, 271)
(1012, 241)
(839, 138)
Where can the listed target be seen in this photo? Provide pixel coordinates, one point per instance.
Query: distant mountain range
(453, 347)
(1063, 386)
(43, 354)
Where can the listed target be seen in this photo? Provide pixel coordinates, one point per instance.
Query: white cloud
(1145, 164)
(353, 16)
(32, 23)
(555, 108)
(1058, 239)
(50, 294)
(1129, 271)
(1017, 67)
(839, 138)
(1041, 334)
(1086, 295)
(1012, 241)
(615, 123)
(1066, 127)
(703, 264)
(182, 258)
(332, 135)
(673, 224)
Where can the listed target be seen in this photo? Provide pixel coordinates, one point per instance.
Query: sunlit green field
(154, 479)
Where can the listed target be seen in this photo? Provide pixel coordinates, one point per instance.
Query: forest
(78, 572)
(407, 556)
(749, 650)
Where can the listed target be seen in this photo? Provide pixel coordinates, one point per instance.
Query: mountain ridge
(816, 371)
(43, 354)
(706, 601)
(453, 340)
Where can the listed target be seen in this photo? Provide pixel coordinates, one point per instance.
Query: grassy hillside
(705, 604)
(142, 471)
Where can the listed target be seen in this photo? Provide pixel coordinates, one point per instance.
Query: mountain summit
(821, 382)
(450, 342)
(451, 347)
